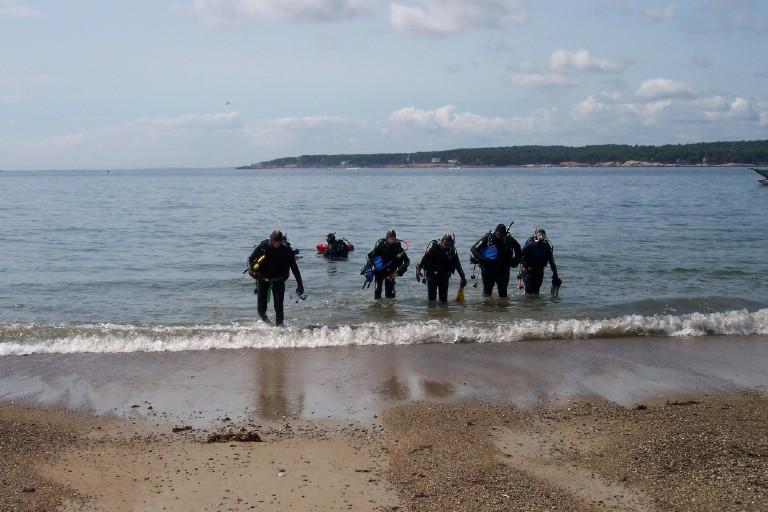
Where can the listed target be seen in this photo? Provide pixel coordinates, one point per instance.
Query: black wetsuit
(439, 264)
(536, 256)
(336, 249)
(272, 274)
(395, 261)
(496, 271)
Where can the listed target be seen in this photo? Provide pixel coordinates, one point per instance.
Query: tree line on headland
(607, 155)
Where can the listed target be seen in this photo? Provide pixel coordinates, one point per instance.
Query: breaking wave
(22, 339)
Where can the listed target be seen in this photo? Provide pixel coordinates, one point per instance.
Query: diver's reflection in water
(437, 311)
(331, 267)
(274, 400)
(435, 389)
(381, 310)
(394, 389)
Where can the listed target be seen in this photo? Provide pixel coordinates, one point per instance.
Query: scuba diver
(496, 253)
(537, 254)
(386, 262)
(439, 262)
(336, 248)
(269, 264)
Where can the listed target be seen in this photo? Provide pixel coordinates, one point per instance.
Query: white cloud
(739, 109)
(693, 112)
(210, 122)
(650, 111)
(224, 12)
(447, 118)
(447, 16)
(762, 108)
(14, 9)
(589, 107)
(324, 10)
(665, 13)
(714, 103)
(580, 60)
(660, 88)
(541, 80)
(287, 131)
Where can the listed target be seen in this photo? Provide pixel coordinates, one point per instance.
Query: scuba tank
(253, 270)
(258, 262)
(419, 269)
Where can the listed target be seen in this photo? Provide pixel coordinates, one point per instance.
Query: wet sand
(358, 382)
(633, 424)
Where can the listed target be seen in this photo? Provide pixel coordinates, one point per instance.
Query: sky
(88, 84)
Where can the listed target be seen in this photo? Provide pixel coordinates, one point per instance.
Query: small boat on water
(763, 173)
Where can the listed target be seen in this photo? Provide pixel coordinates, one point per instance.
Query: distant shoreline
(701, 154)
(564, 165)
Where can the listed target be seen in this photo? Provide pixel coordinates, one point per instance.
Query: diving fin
(555, 290)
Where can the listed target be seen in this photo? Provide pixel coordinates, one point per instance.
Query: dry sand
(82, 463)
(702, 453)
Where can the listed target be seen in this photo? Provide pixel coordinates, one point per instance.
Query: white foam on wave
(22, 339)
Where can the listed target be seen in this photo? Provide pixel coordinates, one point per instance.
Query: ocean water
(97, 261)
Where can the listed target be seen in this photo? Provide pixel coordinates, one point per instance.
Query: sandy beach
(635, 424)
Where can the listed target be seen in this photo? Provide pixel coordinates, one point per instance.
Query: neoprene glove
(463, 282)
(401, 271)
(300, 290)
(556, 281)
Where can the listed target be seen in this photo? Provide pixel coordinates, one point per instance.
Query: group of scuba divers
(496, 253)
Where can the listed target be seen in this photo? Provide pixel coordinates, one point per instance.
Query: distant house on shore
(437, 160)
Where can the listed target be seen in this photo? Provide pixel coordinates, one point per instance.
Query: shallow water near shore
(151, 260)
